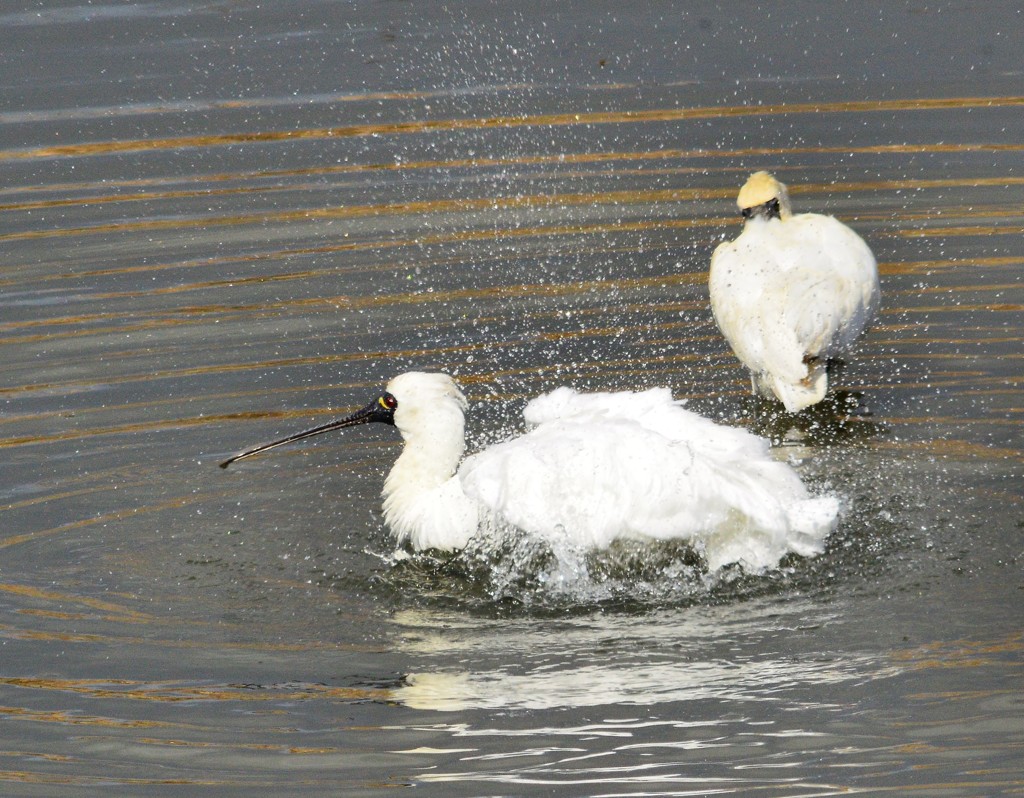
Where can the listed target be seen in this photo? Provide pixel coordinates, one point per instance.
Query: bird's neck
(427, 462)
(422, 466)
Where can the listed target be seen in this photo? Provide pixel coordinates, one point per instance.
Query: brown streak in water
(491, 292)
(203, 420)
(147, 426)
(372, 245)
(396, 209)
(281, 749)
(497, 203)
(124, 476)
(530, 290)
(38, 755)
(126, 643)
(156, 195)
(955, 289)
(96, 604)
(285, 414)
(958, 695)
(467, 163)
(925, 266)
(468, 379)
(132, 406)
(574, 158)
(430, 239)
(117, 328)
(204, 263)
(913, 267)
(1004, 210)
(163, 692)
(338, 302)
(993, 308)
(76, 616)
(108, 784)
(197, 106)
(961, 653)
(965, 230)
(68, 494)
(77, 719)
(117, 515)
(951, 448)
(230, 368)
(907, 343)
(504, 122)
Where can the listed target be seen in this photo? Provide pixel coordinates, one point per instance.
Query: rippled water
(222, 222)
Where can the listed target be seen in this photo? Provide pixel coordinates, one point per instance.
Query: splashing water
(508, 568)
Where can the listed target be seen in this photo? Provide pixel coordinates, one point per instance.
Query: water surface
(223, 222)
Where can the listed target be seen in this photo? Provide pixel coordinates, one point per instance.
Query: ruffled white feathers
(595, 468)
(791, 293)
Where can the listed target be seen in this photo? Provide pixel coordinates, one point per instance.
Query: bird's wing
(736, 283)
(830, 278)
(587, 481)
(653, 410)
(753, 304)
(566, 403)
(784, 293)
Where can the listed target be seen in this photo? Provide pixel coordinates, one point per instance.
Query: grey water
(221, 222)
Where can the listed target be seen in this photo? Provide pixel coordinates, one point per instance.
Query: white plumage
(791, 293)
(593, 468)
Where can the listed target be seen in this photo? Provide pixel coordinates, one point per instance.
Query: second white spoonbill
(791, 293)
(593, 468)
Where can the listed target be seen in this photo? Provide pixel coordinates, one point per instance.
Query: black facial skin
(769, 210)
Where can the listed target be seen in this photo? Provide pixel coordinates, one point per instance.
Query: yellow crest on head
(761, 187)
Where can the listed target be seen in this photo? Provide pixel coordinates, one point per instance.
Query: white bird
(594, 468)
(791, 293)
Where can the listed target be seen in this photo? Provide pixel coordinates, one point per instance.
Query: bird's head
(765, 197)
(427, 403)
(419, 404)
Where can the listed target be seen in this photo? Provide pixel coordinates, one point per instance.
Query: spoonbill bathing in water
(594, 467)
(791, 293)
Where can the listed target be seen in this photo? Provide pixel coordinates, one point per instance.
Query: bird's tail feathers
(808, 391)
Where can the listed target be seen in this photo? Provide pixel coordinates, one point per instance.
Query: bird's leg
(834, 368)
(809, 361)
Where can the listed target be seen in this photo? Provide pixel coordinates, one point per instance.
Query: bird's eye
(388, 402)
